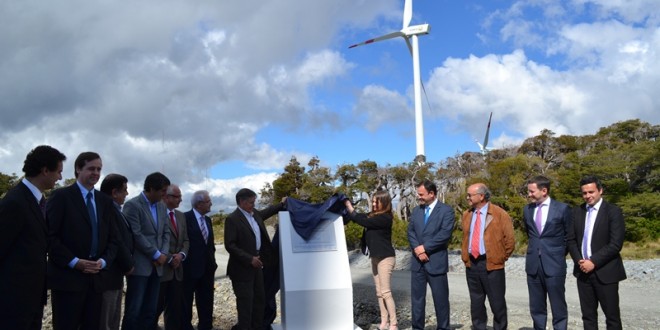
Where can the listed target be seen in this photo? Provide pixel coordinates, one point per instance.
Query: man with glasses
(170, 297)
(488, 241)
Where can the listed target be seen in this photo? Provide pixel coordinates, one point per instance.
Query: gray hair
(482, 189)
(198, 196)
(170, 189)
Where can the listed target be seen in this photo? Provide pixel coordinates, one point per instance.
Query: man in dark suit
(199, 267)
(148, 218)
(24, 241)
(429, 231)
(115, 186)
(595, 241)
(547, 223)
(249, 247)
(488, 241)
(170, 297)
(82, 245)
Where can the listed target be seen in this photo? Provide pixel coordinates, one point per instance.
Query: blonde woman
(377, 244)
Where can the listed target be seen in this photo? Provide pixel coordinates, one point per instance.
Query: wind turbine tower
(409, 34)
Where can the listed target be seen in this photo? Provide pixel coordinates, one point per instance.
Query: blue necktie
(427, 212)
(95, 227)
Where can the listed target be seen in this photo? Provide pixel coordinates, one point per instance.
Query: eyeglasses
(470, 195)
(175, 196)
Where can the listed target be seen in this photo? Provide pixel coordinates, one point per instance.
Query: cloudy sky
(221, 94)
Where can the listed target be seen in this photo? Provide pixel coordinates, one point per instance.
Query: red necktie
(176, 231)
(474, 245)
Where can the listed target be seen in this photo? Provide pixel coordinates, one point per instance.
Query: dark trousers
(76, 309)
(141, 301)
(592, 292)
(440, 292)
(481, 284)
(201, 290)
(170, 301)
(250, 301)
(542, 287)
(271, 287)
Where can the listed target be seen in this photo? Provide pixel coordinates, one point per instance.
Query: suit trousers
(592, 292)
(111, 309)
(250, 302)
(170, 301)
(201, 289)
(141, 301)
(481, 284)
(271, 287)
(542, 287)
(76, 309)
(440, 292)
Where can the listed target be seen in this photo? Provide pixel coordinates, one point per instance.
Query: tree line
(624, 155)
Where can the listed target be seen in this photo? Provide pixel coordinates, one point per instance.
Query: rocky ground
(638, 295)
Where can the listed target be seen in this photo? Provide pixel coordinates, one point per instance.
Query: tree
(6, 182)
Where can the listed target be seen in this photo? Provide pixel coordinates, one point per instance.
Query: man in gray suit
(429, 231)
(170, 298)
(547, 223)
(148, 218)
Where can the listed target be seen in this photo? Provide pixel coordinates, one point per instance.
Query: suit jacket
(378, 233)
(551, 242)
(241, 243)
(70, 232)
(499, 238)
(201, 254)
(23, 247)
(124, 262)
(434, 236)
(149, 237)
(606, 242)
(178, 243)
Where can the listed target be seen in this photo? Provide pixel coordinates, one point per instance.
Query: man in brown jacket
(488, 241)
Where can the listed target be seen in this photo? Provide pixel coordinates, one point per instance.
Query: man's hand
(88, 266)
(256, 262)
(176, 260)
(161, 260)
(421, 253)
(587, 266)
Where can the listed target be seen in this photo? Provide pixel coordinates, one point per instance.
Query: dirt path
(639, 307)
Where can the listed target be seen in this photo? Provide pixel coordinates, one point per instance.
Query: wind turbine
(409, 33)
(484, 147)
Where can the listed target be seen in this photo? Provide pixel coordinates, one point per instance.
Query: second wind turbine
(409, 33)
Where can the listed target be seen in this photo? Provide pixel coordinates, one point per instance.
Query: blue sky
(219, 95)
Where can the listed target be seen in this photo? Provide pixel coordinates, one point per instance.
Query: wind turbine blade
(408, 43)
(407, 13)
(385, 37)
(487, 131)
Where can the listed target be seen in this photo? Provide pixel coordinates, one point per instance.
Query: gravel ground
(638, 295)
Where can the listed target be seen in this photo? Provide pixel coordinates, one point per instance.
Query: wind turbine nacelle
(417, 29)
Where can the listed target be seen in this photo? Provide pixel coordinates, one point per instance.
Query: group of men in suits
(81, 243)
(592, 233)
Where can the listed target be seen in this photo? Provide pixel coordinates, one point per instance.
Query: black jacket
(377, 234)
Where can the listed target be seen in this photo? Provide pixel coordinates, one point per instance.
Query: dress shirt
(483, 211)
(594, 214)
(255, 227)
(84, 192)
(432, 205)
(35, 191)
(544, 212)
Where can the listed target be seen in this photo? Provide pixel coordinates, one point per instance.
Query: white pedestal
(315, 277)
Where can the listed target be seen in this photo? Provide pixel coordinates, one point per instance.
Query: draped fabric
(306, 216)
